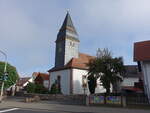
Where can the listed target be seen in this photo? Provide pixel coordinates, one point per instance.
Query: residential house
(22, 83)
(132, 80)
(41, 78)
(142, 57)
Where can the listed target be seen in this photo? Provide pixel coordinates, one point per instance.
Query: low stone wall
(32, 99)
(70, 99)
(4, 97)
(118, 100)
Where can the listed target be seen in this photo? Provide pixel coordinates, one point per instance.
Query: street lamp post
(5, 67)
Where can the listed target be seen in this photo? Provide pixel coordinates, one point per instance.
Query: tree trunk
(92, 84)
(108, 91)
(91, 87)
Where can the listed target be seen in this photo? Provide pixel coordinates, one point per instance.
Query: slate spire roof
(67, 29)
(67, 22)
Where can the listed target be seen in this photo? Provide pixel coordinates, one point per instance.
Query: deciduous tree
(12, 74)
(110, 70)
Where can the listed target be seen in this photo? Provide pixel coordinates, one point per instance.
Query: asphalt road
(28, 111)
(19, 110)
(17, 105)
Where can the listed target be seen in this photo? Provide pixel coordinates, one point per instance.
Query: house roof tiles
(79, 63)
(44, 76)
(142, 51)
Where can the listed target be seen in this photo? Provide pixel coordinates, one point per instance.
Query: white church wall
(77, 81)
(100, 88)
(46, 83)
(77, 84)
(65, 80)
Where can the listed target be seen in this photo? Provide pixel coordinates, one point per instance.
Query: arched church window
(59, 82)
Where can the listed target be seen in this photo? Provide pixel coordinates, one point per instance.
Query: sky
(28, 29)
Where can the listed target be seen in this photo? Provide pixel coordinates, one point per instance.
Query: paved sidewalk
(54, 106)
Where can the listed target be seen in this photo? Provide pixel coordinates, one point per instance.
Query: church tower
(67, 43)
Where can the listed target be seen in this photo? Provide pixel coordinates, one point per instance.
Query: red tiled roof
(131, 88)
(44, 76)
(142, 51)
(80, 63)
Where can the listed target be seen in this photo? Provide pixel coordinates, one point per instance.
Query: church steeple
(67, 43)
(68, 23)
(67, 29)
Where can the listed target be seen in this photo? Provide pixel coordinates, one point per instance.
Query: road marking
(7, 110)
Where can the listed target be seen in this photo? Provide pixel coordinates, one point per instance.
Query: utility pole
(5, 67)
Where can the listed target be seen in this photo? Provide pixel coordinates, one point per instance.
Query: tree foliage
(110, 70)
(30, 87)
(36, 88)
(12, 74)
(55, 89)
(92, 84)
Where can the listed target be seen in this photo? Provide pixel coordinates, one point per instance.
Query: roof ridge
(86, 54)
(146, 41)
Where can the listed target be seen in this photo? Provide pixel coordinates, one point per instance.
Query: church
(70, 69)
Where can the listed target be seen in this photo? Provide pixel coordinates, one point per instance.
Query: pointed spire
(68, 22)
(67, 29)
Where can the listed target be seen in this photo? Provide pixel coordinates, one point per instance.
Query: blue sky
(28, 29)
